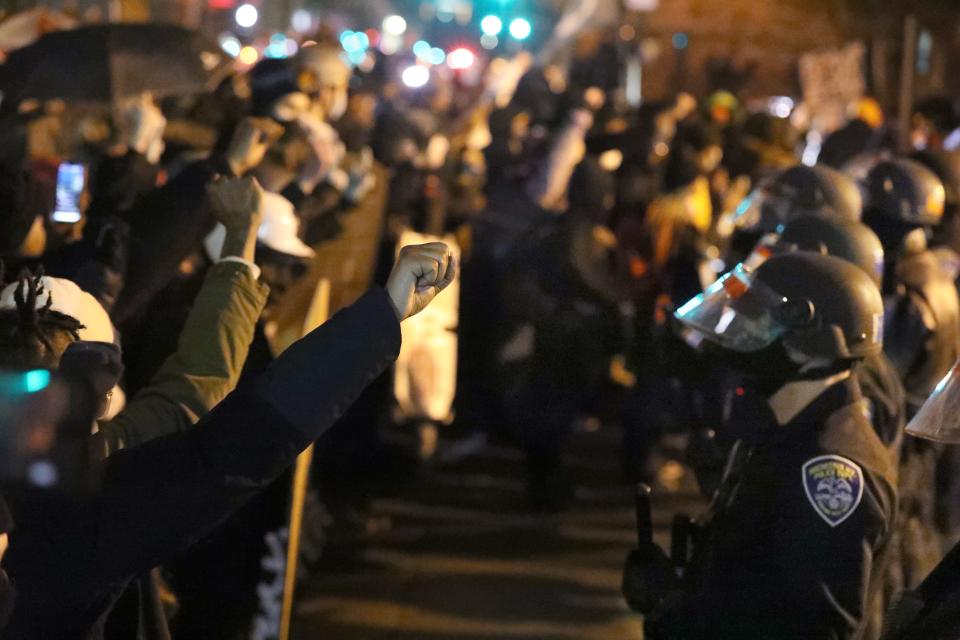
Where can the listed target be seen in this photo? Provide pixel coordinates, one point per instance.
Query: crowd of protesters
(768, 325)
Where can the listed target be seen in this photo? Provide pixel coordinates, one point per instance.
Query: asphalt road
(463, 560)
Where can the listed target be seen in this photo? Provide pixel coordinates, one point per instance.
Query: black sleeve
(190, 483)
(160, 497)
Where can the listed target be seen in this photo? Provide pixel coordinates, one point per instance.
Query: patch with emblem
(834, 486)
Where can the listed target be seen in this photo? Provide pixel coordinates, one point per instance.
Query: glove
(647, 578)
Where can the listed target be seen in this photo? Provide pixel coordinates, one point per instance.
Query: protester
(160, 496)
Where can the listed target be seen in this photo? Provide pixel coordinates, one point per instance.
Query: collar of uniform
(794, 397)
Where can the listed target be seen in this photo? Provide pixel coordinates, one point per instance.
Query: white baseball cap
(278, 231)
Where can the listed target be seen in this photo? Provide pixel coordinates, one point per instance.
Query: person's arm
(160, 497)
(216, 337)
(548, 186)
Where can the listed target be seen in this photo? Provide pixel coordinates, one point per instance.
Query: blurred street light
(248, 55)
(230, 44)
(394, 25)
(520, 28)
(460, 58)
(246, 15)
(436, 56)
(301, 20)
(491, 25)
(415, 76)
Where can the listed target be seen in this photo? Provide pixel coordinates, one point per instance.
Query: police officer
(882, 389)
(946, 164)
(795, 533)
(929, 611)
(857, 243)
(792, 193)
(905, 203)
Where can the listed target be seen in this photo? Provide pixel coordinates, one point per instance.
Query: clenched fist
(237, 203)
(420, 273)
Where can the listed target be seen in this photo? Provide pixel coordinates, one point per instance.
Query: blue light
(275, 50)
(680, 40)
(352, 43)
(356, 57)
(436, 56)
(421, 48)
(36, 380)
(343, 36)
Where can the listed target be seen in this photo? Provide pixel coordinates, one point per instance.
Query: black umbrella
(113, 61)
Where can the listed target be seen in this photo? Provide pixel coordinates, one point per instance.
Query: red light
(460, 58)
(374, 36)
(221, 4)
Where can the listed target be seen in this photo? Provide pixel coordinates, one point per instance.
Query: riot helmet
(820, 308)
(799, 191)
(905, 191)
(946, 165)
(852, 241)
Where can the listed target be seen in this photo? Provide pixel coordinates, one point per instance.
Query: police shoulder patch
(834, 487)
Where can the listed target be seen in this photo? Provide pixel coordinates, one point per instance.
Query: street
(462, 559)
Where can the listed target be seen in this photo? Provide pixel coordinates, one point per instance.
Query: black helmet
(799, 191)
(906, 191)
(819, 306)
(851, 241)
(946, 164)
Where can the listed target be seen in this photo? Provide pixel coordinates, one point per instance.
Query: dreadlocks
(34, 335)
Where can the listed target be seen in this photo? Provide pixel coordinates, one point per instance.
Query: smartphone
(71, 183)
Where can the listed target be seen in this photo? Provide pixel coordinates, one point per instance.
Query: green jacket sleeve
(206, 366)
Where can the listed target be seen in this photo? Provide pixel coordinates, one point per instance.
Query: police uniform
(885, 399)
(922, 324)
(797, 533)
(922, 331)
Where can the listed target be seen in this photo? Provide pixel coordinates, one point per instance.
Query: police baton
(644, 516)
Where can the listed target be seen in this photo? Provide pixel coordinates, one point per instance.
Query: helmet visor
(939, 417)
(769, 245)
(762, 210)
(737, 312)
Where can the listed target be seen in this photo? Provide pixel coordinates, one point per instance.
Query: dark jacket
(70, 557)
(798, 532)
